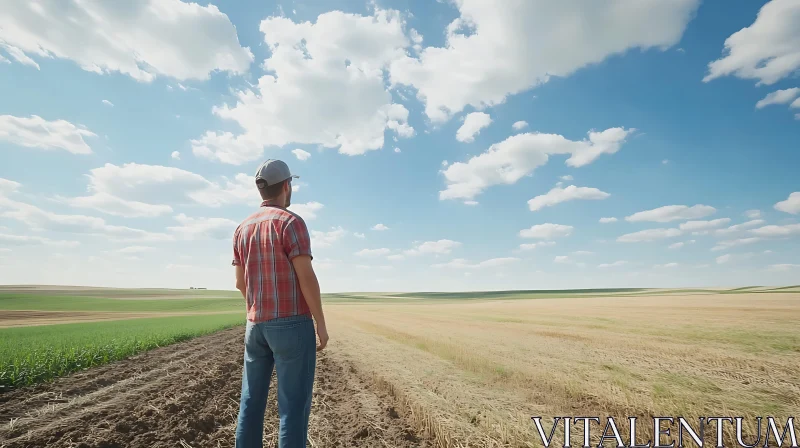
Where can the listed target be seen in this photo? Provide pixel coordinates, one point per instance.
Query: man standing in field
(272, 256)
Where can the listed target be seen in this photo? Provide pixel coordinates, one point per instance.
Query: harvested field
(29, 318)
(187, 395)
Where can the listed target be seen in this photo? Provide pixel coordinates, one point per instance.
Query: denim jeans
(288, 344)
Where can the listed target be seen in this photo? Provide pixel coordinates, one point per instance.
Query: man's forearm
(311, 292)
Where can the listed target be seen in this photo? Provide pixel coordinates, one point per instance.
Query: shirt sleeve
(237, 258)
(296, 240)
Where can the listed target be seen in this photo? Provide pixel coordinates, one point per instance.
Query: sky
(448, 145)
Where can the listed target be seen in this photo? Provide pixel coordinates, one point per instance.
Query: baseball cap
(273, 171)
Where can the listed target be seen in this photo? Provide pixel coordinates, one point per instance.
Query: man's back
(264, 244)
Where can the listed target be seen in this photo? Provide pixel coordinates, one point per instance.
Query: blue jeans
(288, 344)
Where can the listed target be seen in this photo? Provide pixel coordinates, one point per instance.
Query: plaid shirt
(264, 244)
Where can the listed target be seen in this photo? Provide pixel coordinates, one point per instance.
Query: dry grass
(474, 373)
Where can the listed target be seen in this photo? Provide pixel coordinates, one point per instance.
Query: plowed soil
(186, 395)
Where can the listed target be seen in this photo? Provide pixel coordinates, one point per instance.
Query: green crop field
(49, 302)
(31, 355)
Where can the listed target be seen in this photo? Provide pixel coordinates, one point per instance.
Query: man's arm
(310, 287)
(240, 284)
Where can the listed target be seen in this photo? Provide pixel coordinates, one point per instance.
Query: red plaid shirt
(264, 244)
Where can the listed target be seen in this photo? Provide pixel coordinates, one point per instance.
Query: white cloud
(739, 227)
(727, 244)
(397, 150)
(41, 220)
(546, 231)
(301, 155)
(203, 228)
(768, 50)
(519, 155)
(784, 96)
(562, 259)
(36, 132)
(373, 252)
(176, 155)
(784, 267)
(491, 52)
(753, 214)
(470, 202)
(325, 239)
(519, 125)
(112, 205)
(664, 162)
(460, 263)
(142, 39)
(133, 190)
(8, 186)
(666, 266)
(108, 103)
(790, 205)
(308, 210)
(582, 252)
(396, 257)
(669, 213)
(648, 235)
(473, 123)
(571, 193)
(696, 226)
(723, 258)
(532, 246)
(612, 265)
(17, 54)
(607, 220)
(566, 178)
(777, 231)
(136, 249)
(439, 247)
(3, 60)
(324, 85)
(380, 227)
(359, 235)
(677, 245)
(33, 240)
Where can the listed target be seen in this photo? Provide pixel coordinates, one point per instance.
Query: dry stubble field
(405, 371)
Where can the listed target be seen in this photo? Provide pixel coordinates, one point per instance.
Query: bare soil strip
(29, 318)
(187, 395)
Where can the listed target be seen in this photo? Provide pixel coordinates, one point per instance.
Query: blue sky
(129, 137)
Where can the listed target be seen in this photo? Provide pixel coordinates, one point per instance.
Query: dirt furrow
(187, 395)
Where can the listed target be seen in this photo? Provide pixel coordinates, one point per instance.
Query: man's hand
(322, 333)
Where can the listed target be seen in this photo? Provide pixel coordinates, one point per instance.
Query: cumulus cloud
(136, 190)
(36, 132)
(439, 247)
(727, 244)
(308, 210)
(532, 246)
(790, 205)
(722, 259)
(460, 263)
(301, 155)
(324, 85)
(612, 265)
(648, 235)
(325, 239)
(768, 50)
(607, 220)
(491, 52)
(176, 155)
(142, 39)
(667, 266)
(8, 186)
(373, 252)
(203, 228)
(777, 231)
(669, 213)
(558, 195)
(739, 227)
(784, 96)
(519, 155)
(45, 221)
(359, 235)
(696, 226)
(108, 103)
(473, 123)
(677, 245)
(519, 125)
(380, 227)
(753, 214)
(547, 231)
(33, 240)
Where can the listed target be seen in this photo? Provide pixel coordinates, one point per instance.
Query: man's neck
(274, 203)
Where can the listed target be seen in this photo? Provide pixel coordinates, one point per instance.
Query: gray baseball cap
(273, 171)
